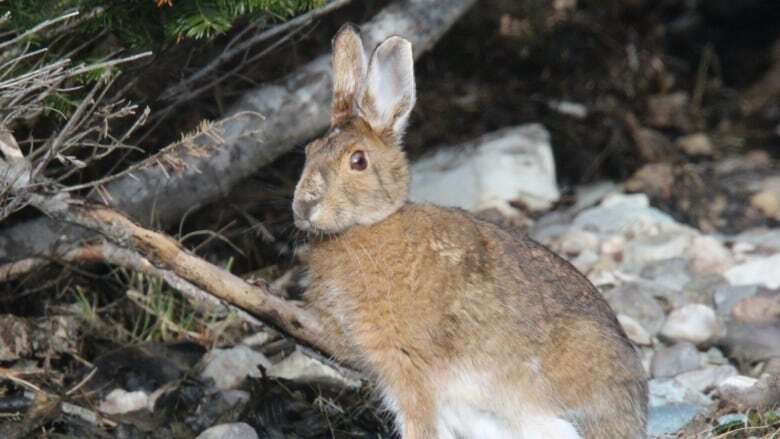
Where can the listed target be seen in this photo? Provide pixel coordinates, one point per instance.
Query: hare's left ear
(388, 95)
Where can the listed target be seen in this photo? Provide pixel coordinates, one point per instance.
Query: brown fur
(416, 293)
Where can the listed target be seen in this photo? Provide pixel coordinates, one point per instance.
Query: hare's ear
(349, 71)
(388, 95)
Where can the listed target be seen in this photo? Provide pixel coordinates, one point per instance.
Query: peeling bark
(266, 123)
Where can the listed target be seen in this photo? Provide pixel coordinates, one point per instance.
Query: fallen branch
(266, 123)
(194, 274)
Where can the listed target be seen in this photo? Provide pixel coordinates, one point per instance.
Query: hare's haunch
(469, 330)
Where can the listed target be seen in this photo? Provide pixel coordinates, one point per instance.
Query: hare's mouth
(303, 224)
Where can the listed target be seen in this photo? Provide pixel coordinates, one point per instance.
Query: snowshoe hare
(469, 330)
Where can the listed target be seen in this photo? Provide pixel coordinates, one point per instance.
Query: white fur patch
(541, 427)
(470, 406)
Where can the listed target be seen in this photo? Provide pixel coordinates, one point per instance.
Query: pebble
(727, 296)
(694, 323)
(737, 382)
(697, 144)
(585, 261)
(233, 430)
(761, 308)
(709, 255)
(303, 368)
(613, 246)
(633, 301)
(767, 202)
(760, 271)
(576, 241)
(670, 391)
(634, 330)
(674, 360)
(715, 357)
(229, 367)
(701, 289)
(672, 273)
(649, 248)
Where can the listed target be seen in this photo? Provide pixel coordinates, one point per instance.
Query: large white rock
(694, 323)
(510, 164)
(758, 271)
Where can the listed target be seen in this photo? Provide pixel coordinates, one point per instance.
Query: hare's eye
(358, 161)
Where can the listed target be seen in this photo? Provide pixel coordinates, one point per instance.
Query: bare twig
(37, 28)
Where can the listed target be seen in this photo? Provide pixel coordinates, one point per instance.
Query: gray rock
(706, 379)
(694, 323)
(668, 297)
(750, 343)
(674, 360)
(762, 238)
(715, 357)
(672, 273)
(507, 165)
(301, 367)
(229, 367)
(669, 391)
(234, 430)
(630, 299)
(622, 213)
(701, 289)
(727, 296)
(670, 418)
(649, 248)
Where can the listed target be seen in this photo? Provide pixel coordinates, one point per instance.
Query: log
(264, 124)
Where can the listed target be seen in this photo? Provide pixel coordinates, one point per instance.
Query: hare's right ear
(349, 71)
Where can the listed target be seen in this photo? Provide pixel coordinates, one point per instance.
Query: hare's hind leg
(415, 418)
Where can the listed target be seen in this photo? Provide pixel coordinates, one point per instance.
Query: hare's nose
(302, 208)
